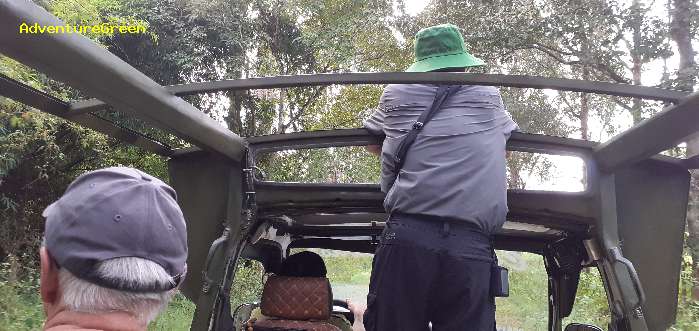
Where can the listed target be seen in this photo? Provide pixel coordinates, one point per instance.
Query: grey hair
(82, 296)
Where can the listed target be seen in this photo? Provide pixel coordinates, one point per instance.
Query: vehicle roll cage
(79, 62)
(213, 180)
(83, 111)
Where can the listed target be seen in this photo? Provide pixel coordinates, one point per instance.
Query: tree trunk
(584, 116)
(680, 30)
(14, 269)
(515, 181)
(280, 111)
(234, 119)
(693, 217)
(251, 118)
(636, 104)
(637, 64)
(585, 108)
(585, 105)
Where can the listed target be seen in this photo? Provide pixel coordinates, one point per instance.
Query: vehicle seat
(295, 304)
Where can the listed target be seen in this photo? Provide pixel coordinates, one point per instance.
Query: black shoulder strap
(443, 93)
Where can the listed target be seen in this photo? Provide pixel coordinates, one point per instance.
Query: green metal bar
(81, 63)
(654, 135)
(47, 103)
(521, 81)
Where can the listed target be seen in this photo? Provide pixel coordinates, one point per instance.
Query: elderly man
(114, 253)
(446, 195)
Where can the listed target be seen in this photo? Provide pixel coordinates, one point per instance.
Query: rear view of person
(114, 253)
(445, 197)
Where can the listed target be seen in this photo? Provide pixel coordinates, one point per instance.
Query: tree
(682, 31)
(40, 154)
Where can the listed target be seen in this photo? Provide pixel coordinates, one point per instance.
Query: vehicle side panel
(651, 200)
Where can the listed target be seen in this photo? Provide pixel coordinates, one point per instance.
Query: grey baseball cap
(117, 212)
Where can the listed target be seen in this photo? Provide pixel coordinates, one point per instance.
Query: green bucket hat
(439, 47)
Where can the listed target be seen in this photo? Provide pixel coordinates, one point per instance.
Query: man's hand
(374, 149)
(358, 311)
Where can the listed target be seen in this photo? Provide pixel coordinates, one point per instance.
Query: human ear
(49, 278)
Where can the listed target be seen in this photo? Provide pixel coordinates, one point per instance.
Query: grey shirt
(456, 166)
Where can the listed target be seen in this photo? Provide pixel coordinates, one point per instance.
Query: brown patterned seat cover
(290, 325)
(295, 303)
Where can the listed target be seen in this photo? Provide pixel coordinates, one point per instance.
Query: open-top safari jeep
(628, 222)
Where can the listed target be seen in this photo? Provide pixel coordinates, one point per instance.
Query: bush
(247, 284)
(526, 308)
(20, 302)
(177, 316)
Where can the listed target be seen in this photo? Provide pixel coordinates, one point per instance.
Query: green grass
(21, 309)
(20, 303)
(177, 316)
(348, 269)
(526, 308)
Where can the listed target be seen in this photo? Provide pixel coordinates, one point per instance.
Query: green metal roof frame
(81, 63)
(616, 164)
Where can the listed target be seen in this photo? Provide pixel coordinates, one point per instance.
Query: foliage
(527, 306)
(94, 12)
(192, 40)
(247, 284)
(688, 308)
(590, 301)
(20, 304)
(176, 317)
(351, 35)
(327, 165)
(344, 108)
(348, 268)
(40, 156)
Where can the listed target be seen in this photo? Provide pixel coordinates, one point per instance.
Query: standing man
(434, 262)
(114, 253)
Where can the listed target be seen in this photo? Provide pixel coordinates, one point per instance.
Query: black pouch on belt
(499, 280)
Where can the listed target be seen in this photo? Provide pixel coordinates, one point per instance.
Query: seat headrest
(297, 298)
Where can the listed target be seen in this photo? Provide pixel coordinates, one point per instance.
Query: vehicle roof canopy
(635, 200)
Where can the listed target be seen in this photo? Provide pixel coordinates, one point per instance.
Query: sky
(414, 7)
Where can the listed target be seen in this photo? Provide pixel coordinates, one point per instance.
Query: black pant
(428, 269)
